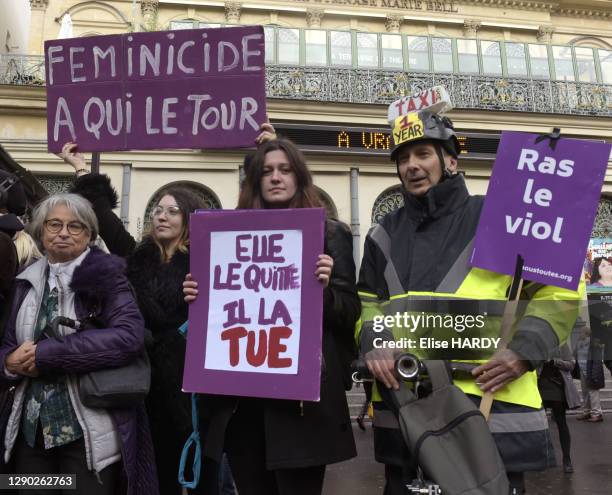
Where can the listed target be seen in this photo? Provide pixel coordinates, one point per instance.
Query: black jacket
(323, 434)
(427, 236)
(159, 291)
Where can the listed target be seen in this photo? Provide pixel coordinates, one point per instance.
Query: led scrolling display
(359, 140)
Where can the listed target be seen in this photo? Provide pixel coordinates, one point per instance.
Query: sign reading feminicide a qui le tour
(195, 88)
(255, 328)
(541, 204)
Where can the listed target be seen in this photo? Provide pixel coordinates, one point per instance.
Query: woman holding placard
(281, 447)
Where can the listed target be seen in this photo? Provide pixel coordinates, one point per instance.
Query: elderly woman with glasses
(50, 431)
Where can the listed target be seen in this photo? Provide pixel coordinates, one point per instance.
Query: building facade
(332, 67)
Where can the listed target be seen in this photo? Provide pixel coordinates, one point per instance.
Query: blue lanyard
(194, 438)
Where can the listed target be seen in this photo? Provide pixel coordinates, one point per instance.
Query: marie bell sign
(419, 5)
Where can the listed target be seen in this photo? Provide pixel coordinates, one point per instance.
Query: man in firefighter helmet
(417, 257)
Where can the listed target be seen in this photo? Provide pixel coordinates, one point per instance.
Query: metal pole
(95, 162)
(125, 194)
(355, 215)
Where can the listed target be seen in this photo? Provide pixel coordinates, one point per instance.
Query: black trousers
(67, 459)
(558, 412)
(245, 445)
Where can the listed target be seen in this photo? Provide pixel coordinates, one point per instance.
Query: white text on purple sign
(539, 197)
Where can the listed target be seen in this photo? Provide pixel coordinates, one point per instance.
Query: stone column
(148, 9)
(471, 28)
(37, 26)
(393, 23)
(545, 34)
(314, 17)
(232, 12)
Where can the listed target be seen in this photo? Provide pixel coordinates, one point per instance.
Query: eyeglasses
(56, 226)
(171, 211)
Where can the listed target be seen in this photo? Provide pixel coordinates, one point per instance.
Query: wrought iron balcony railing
(467, 91)
(346, 85)
(28, 70)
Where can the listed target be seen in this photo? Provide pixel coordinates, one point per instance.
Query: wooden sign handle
(506, 326)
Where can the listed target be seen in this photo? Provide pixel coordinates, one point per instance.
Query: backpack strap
(439, 374)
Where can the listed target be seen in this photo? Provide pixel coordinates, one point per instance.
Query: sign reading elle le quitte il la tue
(255, 328)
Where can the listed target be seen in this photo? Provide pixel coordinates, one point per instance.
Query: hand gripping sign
(255, 328)
(194, 88)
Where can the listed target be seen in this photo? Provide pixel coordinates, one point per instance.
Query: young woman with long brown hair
(281, 447)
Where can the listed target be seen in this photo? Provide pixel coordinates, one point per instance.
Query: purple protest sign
(194, 88)
(255, 328)
(541, 204)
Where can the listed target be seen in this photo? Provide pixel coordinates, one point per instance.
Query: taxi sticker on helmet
(407, 128)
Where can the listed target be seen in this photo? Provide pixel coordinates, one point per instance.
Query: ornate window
(390, 200)
(191, 24)
(516, 59)
(491, 58)
(605, 58)
(208, 197)
(467, 53)
(392, 57)
(418, 53)
(269, 35)
(367, 50)
(55, 184)
(442, 50)
(316, 46)
(85, 13)
(288, 46)
(585, 62)
(564, 66)
(341, 48)
(603, 219)
(538, 56)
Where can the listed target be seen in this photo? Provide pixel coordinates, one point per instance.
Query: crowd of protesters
(77, 260)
